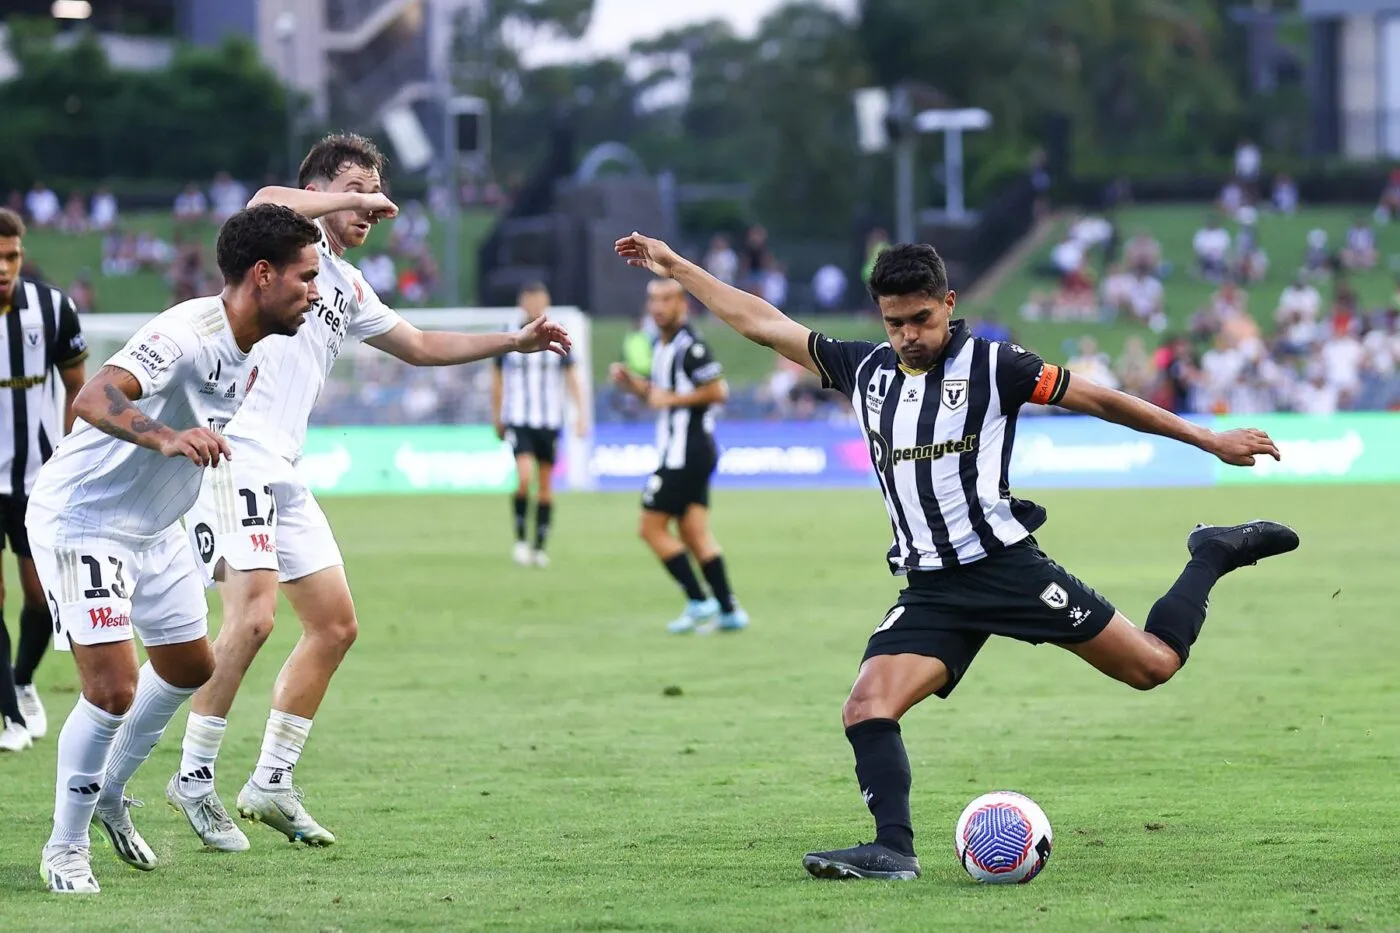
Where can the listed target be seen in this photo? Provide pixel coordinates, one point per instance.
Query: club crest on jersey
(954, 393)
(32, 336)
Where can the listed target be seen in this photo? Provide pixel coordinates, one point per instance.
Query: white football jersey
(295, 370)
(192, 375)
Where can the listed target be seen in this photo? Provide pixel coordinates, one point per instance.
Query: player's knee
(256, 622)
(337, 631)
(111, 695)
(860, 706)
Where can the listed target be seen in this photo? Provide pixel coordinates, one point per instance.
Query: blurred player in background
(686, 384)
(256, 524)
(938, 409)
(40, 336)
(104, 522)
(527, 405)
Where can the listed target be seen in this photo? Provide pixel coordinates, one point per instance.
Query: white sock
(203, 736)
(155, 704)
(83, 746)
(281, 747)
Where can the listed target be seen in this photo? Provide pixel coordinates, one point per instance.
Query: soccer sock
(151, 711)
(282, 744)
(199, 751)
(35, 630)
(83, 744)
(882, 768)
(521, 505)
(543, 512)
(719, 582)
(679, 567)
(9, 703)
(1177, 617)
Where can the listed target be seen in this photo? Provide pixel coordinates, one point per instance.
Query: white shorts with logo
(255, 513)
(101, 590)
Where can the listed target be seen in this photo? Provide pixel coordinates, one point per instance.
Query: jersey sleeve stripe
(1051, 386)
(812, 338)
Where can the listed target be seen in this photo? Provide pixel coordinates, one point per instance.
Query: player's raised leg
(886, 688)
(700, 541)
(655, 530)
(1147, 658)
(323, 603)
(520, 507)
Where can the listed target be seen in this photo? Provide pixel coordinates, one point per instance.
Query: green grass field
(500, 751)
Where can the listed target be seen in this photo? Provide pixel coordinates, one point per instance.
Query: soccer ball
(1003, 838)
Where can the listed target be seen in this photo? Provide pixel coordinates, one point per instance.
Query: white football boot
(68, 870)
(208, 818)
(14, 737)
(522, 554)
(115, 820)
(32, 709)
(283, 811)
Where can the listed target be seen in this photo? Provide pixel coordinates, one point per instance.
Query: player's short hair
(909, 269)
(11, 224)
(264, 231)
(328, 158)
(533, 288)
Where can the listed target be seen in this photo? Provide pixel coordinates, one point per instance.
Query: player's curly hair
(264, 231)
(909, 269)
(329, 157)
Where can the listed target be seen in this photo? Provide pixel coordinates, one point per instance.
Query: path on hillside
(1013, 260)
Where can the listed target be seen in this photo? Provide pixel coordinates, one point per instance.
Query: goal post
(372, 401)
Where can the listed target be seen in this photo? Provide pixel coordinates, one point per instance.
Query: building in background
(1355, 77)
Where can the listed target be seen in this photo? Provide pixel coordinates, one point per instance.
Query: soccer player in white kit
(257, 524)
(104, 524)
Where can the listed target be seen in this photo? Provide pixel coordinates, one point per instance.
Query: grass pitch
(502, 749)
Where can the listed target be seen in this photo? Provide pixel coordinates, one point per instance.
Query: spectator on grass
(1314, 396)
(1251, 263)
(1248, 161)
(1360, 249)
(104, 213)
(829, 286)
(191, 206)
(74, 219)
(1175, 362)
(409, 235)
(1211, 245)
(1232, 199)
(1317, 259)
(82, 294)
(1285, 194)
(42, 206)
(1143, 252)
(1342, 358)
(721, 261)
(755, 259)
(228, 196)
(378, 270)
(1145, 301)
(773, 283)
(1389, 206)
(1092, 364)
(1299, 298)
(1134, 368)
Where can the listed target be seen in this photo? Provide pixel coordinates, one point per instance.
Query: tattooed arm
(105, 403)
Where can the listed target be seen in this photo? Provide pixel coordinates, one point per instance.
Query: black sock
(882, 768)
(543, 511)
(1177, 617)
(9, 703)
(35, 630)
(679, 567)
(719, 582)
(521, 504)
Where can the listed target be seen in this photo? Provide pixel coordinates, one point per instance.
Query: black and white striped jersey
(534, 389)
(39, 335)
(940, 440)
(685, 437)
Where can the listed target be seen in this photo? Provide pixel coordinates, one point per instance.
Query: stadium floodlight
(952, 124)
(469, 126)
(71, 9)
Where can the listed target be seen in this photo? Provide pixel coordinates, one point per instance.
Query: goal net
(384, 426)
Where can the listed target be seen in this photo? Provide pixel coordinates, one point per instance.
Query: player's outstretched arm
(1237, 448)
(445, 348)
(750, 315)
(105, 403)
(312, 204)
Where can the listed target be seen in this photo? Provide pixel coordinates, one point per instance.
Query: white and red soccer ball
(1003, 838)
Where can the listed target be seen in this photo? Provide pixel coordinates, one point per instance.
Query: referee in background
(39, 335)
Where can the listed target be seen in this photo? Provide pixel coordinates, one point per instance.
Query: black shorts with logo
(12, 511)
(1017, 592)
(672, 491)
(540, 443)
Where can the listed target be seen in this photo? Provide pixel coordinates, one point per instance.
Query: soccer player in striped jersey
(256, 525)
(40, 337)
(938, 410)
(685, 384)
(527, 404)
(104, 524)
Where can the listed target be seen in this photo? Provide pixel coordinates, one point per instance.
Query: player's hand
(620, 376)
(646, 253)
(661, 398)
(203, 447)
(378, 206)
(1240, 446)
(543, 334)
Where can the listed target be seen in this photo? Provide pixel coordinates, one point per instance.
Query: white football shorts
(255, 513)
(100, 589)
